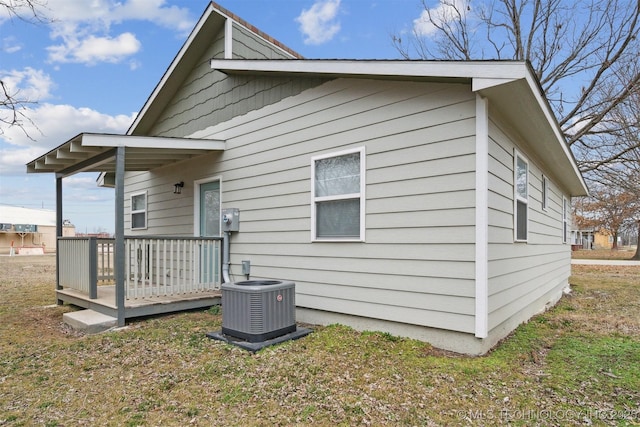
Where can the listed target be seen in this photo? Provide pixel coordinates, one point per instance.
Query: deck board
(105, 302)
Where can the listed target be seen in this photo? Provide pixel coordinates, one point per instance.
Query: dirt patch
(28, 306)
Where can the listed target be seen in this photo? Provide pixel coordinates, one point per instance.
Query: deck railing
(171, 265)
(84, 262)
(154, 266)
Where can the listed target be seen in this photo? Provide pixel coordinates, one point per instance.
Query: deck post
(58, 231)
(93, 268)
(119, 256)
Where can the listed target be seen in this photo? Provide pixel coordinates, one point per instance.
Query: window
(337, 190)
(565, 219)
(139, 210)
(521, 198)
(545, 193)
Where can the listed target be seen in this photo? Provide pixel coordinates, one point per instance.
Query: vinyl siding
(247, 46)
(417, 264)
(208, 97)
(521, 273)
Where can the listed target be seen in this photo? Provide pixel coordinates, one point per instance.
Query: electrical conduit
(226, 237)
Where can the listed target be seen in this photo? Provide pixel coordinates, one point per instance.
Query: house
(26, 231)
(427, 199)
(582, 238)
(596, 238)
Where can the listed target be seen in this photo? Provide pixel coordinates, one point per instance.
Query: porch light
(177, 187)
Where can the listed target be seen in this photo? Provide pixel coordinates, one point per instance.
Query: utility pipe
(226, 237)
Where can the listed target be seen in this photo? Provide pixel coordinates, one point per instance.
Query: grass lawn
(578, 364)
(624, 253)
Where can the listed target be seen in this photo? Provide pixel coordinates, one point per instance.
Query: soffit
(526, 112)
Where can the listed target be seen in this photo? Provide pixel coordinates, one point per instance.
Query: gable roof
(214, 20)
(511, 87)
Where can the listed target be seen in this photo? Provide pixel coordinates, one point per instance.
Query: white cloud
(14, 161)
(28, 84)
(101, 14)
(171, 17)
(95, 49)
(318, 24)
(55, 125)
(85, 27)
(82, 182)
(46, 125)
(444, 12)
(11, 45)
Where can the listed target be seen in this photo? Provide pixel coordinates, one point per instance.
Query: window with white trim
(521, 198)
(565, 219)
(337, 196)
(139, 210)
(545, 193)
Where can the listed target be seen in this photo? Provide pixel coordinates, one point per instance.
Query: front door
(209, 227)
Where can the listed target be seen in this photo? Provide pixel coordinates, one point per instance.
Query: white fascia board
(553, 123)
(106, 140)
(444, 69)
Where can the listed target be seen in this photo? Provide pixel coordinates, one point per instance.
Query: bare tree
(623, 170)
(623, 180)
(636, 256)
(13, 109)
(584, 53)
(26, 10)
(608, 210)
(13, 106)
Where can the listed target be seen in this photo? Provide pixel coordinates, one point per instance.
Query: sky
(93, 64)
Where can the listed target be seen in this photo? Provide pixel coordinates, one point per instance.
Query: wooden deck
(105, 302)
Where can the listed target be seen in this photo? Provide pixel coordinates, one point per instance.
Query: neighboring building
(602, 240)
(428, 199)
(582, 239)
(29, 231)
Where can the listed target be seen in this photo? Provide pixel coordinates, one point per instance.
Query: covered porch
(130, 276)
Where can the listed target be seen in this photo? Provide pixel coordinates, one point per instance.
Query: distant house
(604, 240)
(428, 199)
(28, 231)
(583, 238)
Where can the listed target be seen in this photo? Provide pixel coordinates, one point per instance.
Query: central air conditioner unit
(258, 310)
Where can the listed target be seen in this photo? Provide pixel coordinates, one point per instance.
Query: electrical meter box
(231, 219)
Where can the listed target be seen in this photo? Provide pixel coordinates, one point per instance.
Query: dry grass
(624, 253)
(576, 364)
